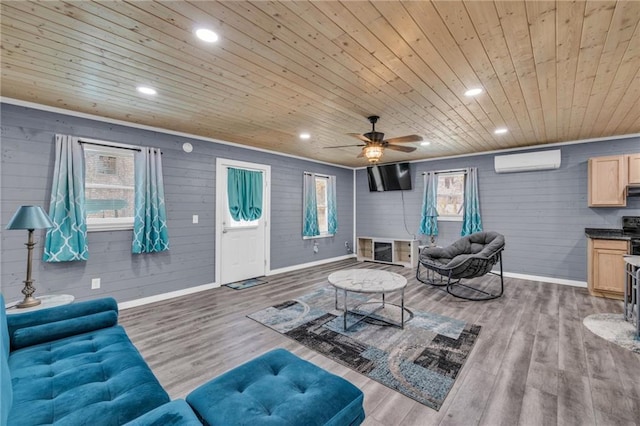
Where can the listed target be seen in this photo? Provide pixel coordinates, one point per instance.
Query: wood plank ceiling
(551, 71)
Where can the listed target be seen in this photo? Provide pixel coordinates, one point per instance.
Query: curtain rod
(448, 171)
(112, 146)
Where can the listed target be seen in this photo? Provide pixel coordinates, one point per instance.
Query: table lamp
(30, 218)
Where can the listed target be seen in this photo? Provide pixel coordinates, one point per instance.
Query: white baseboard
(551, 280)
(203, 287)
(165, 296)
(310, 264)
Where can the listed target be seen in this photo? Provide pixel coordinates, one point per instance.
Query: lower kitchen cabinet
(606, 275)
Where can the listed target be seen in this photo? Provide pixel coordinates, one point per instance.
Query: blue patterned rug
(422, 361)
(251, 282)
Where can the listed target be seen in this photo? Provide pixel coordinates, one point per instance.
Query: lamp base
(28, 302)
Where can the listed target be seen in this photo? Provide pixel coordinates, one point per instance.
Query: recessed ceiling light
(425, 143)
(473, 92)
(500, 130)
(305, 135)
(207, 35)
(147, 90)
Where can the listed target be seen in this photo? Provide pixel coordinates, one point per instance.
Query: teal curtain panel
(310, 227)
(429, 220)
(150, 234)
(244, 192)
(471, 221)
(332, 209)
(67, 240)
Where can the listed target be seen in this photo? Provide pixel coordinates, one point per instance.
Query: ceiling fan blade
(361, 155)
(342, 146)
(359, 136)
(401, 148)
(405, 139)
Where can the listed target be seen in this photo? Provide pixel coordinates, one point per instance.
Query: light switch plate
(195, 218)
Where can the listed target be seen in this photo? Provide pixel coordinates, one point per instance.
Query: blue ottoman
(278, 388)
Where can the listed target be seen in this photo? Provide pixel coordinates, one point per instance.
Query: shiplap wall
(542, 214)
(27, 145)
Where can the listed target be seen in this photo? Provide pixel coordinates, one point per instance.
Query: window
(109, 188)
(450, 196)
(321, 200)
(319, 213)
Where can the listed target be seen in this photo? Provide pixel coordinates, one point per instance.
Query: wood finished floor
(533, 364)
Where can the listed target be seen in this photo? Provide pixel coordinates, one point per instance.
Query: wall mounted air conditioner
(539, 160)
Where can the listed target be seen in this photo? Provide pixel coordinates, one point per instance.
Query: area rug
(420, 361)
(252, 282)
(614, 328)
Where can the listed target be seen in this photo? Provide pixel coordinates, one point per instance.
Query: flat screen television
(389, 177)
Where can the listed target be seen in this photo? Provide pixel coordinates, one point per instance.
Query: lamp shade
(30, 217)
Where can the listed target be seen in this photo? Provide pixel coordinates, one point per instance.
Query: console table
(398, 251)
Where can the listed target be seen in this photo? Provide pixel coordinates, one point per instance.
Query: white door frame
(221, 191)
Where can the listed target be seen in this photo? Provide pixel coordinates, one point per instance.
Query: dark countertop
(607, 234)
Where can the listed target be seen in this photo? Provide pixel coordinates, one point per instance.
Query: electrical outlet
(95, 283)
(315, 247)
(195, 218)
(346, 244)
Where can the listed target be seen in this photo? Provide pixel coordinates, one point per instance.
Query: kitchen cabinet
(608, 181)
(634, 168)
(606, 268)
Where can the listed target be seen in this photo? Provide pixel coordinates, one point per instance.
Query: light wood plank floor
(533, 364)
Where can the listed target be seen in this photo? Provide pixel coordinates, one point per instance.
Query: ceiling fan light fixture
(373, 153)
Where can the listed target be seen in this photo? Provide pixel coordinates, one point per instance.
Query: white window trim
(109, 224)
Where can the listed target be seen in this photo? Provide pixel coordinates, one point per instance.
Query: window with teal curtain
(332, 209)
(150, 232)
(471, 220)
(429, 221)
(67, 240)
(244, 192)
(310, 227)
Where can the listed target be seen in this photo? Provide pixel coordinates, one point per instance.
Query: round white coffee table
(369, 281)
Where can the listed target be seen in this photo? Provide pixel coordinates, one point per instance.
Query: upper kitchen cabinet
(634, 168)
(608, 181)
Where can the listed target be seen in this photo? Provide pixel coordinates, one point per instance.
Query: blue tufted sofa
(74, 365)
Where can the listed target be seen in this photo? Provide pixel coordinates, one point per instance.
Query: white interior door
(241, 246)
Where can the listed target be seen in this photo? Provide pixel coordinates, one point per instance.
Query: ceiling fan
(375, 143)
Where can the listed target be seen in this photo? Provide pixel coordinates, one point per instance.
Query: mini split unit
(539, 160)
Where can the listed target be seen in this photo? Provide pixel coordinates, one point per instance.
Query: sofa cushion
(96, 378)
(174, 413)
(278, 388)
(6, 392)
(45, 325)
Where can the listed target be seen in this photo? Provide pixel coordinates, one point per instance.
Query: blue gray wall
(27, 145)
(542, 214)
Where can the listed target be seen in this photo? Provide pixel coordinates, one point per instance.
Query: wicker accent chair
(469, 257)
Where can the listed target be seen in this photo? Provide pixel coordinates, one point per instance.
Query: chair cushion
(96, 378)
(278, 388)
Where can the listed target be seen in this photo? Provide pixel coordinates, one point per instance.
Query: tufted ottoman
(278, 388)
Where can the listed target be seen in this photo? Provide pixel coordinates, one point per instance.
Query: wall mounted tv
(389, 177)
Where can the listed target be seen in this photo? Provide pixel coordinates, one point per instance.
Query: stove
(631, 228)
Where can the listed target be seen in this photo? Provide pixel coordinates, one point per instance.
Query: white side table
(46, 301)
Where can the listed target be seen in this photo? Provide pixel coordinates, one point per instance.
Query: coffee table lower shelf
(372, 314)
